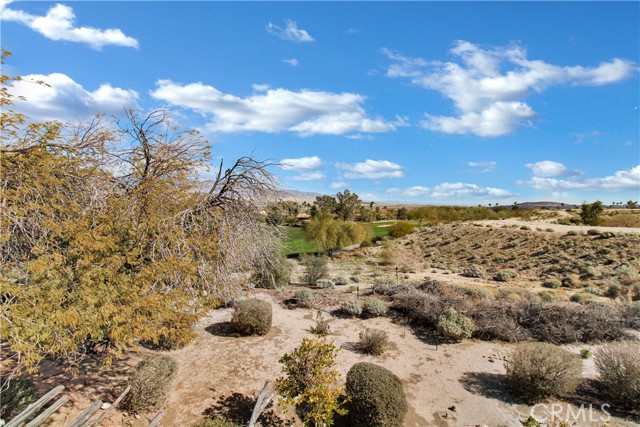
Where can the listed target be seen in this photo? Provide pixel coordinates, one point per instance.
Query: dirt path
(558, 228)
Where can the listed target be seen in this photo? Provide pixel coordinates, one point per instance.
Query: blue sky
(423, 102)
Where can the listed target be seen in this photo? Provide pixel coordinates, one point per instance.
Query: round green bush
(325, 284)
(303, 297)
(475, 271)
(455, 325)
(19, 394)
(377, 397)
(252, 317)
(352, 308)
(619, 368)
(400, 229)
(536, 371)
(374, 307)
(149, 382)
(506, 275)
(552, 283)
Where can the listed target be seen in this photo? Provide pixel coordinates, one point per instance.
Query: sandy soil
(559, 228)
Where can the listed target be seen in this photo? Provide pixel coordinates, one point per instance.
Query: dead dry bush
(513, 319)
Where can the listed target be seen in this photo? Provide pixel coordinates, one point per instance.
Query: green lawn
(295, 242)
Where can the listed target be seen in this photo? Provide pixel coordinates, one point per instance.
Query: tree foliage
(311, 382)
(331, 234)
(109, 237)
(590, 213)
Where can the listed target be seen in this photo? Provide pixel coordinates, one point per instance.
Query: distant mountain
(300, 196)
(548, 205)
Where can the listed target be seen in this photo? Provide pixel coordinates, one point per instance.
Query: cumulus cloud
(624, 180)
(548, 168)
(61, 98)
(293, 62)
(309, 176)
(451, 190)
(301, 163)
(305, 112)
(483, 166)
(338, 185)
(488, 86)
(291, 32)
(371, 169)
(59, 24)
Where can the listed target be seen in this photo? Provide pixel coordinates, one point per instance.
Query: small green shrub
(536, 371)
(218, 421)
(613, 291)
(572, 233)
(506, 275)
(582, 298)
(304, 297)
(20, 393)
(594, 232)
(373, 342)
(149, 383)
(400, 229)
(377, 397)
(352, 308)
(552, 283)
(549, 296)
(475, 271)
(325, 284)
(315, 268)
(455, 325)
(525, 227)
(321, 327)
(594, 290)
(618, 366)
(374, 307)
(340, 281)
(252, 316)
(585, 353)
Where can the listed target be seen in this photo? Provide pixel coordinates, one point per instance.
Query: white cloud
(309, 176)
(301, 164)
(305, 112)
(260, 88)
(488, 86)
(293, 62)
(338, 185)
(372, 169)
(58, 24)
(291, 32)
(483, 166)
(620, 181)
(64, 99)
(549, 168)
(449, 190)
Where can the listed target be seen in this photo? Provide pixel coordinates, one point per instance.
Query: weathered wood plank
(108, 411)
(48, 412)
(154, 422)
(86, 414)
(34, 407)
(261, 404)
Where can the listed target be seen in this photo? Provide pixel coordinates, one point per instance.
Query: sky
(460, 103)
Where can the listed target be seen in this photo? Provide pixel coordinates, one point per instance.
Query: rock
(105, 405)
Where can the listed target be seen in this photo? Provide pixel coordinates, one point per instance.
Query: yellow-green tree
(331, 234)
(311, 383)
(108, 237)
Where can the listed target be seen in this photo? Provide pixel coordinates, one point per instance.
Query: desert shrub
(388, 253)
(304, 297)
(568, 282)
(582, 298)
(613, 291)
(476, 293)
(506, 275)
(325, 284)
(525, 227)
(149, 383)
(585, 353)
(310, 381)
(218, 421)
(632, 315)
(618, 366)
(536, 371)
(475, 271)
(274, 273)
(340, 281)
(594, 232)
(400, 229)
(549, 296)
(374, 307)
(594, 290)
(498, 320)
(315, 268)
(377, 397)
(321, 327)
(19, 394)
(373, 341)
(455, 325)
(572, 233)
(552, 283)
(252, 316)
(351, 307)
(549, 230)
